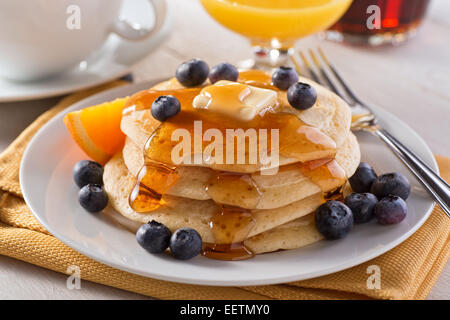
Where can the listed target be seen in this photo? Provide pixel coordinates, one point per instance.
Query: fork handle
(435, 185)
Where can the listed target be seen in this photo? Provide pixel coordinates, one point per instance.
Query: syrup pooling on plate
(227, 252)
(231, 225)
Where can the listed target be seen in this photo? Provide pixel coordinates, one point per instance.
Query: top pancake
(330, 114)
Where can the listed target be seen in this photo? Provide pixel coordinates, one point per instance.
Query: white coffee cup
(41, 38)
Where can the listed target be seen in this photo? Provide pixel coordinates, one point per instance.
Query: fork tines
(323, 73)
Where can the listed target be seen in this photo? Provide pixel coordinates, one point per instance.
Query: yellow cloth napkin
(407, 272)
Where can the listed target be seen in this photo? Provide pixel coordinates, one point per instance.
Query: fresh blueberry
(362, 179)
(334, 220)
(153, 237)
(165, 107)
(87, 172)
(362, 206)
(284, 77)
(185, 243)
(391, 210)
(93, 198)
(301, 96)
(223, 71)
(192, 73)
(391, 183)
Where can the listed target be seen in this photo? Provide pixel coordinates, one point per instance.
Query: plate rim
(354, 261)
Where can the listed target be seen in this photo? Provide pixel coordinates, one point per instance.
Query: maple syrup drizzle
(231, 225)
(153, 181)
(143, 100)
(326, 173)
(257, 78)
(336, 194)
(234, 189)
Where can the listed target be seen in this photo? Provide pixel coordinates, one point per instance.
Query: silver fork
(364, 119)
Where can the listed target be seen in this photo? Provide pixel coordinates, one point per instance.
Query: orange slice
(96, 129)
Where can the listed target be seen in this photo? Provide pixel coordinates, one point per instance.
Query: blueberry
(185, 243)
(362, 206)
(391, 210)
(333, 220)
(93, 198)
(362, 179)
(284, 77)
(301, 96)
(87, 172)
(192, 73)
(391, 183)
(153, 237)
(223, 71)
(165, 107)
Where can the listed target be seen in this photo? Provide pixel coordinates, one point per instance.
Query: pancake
(330, 114)
(183, 212)
(282, 213)
(292, 235)
(287, 186)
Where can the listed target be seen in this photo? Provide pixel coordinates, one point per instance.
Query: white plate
(48, 188)
(113, 61)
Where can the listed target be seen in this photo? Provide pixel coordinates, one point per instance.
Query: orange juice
(282, 20)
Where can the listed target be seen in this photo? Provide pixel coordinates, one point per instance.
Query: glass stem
(268, 58)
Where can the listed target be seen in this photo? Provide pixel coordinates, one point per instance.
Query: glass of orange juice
(273, 26)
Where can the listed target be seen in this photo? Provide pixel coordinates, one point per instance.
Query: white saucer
(113, 61)
(48, 188)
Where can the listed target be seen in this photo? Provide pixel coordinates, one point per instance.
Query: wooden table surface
(412, 81)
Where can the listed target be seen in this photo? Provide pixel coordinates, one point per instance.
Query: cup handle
(129, 32)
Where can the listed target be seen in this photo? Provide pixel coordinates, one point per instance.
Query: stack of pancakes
(282, 218)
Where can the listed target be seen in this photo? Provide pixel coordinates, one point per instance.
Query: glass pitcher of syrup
(378, 22)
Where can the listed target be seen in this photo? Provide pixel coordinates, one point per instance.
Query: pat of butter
(236, 100)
